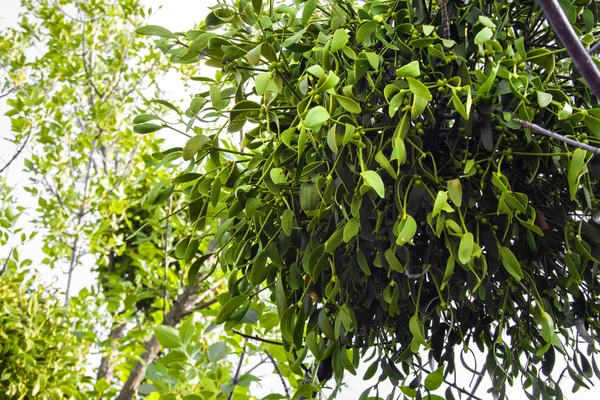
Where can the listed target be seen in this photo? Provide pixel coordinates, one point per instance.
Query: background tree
(393, 192)
(75, 71)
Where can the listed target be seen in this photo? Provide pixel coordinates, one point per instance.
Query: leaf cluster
(382, 191)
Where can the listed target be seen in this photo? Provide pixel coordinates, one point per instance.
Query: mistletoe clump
(384, 188)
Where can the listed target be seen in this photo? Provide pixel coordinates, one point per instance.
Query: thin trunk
(186, 303)
(107, 366)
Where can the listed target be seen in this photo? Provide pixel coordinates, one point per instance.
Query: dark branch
(581, 59)
(285, 388)
(257, 338)
(18, 152)
(237, 371)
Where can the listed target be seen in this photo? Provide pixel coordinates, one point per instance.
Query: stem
(581, 59)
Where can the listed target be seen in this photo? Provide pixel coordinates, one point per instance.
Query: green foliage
(71, 105)
(385, 195)
(42, 345)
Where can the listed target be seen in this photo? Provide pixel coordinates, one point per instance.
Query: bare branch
(582, 60)
(539, 130)
(285, 388)
(6, 261)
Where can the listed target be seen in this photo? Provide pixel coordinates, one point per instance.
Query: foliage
(74, 76)
(382, 191)
(41, 353)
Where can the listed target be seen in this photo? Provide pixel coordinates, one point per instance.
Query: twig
(471, 395)
(285, 388)
(237, 371)
(166, 260)
(6, 261)
(257, 338)
(478, 381)
(539, 130)
(594, 49)
(581, 59)
(14, 157)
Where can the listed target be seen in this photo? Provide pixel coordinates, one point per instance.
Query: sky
(171, 17)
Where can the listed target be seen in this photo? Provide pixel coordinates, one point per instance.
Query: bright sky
(181, 15)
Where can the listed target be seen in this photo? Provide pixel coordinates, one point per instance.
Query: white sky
(182, 15)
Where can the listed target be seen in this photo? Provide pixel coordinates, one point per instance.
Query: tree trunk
(107, 367)
(186, 303)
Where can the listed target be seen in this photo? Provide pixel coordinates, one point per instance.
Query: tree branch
(285, 388)
(106, 368)
(18, 152)
(237, 371)
(185, 304)
(567, 36)
(257, 338)
(539, 130)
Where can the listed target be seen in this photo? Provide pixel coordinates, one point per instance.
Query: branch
(257, 338)
(185, 304)
(582, 60)
(470, 394)
(6, 261)
(106, 368)
(285, 388)
(237, 372)
(14, 157)
(539, 130)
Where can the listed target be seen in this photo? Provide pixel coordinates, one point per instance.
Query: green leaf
(418, 89)
(441, 204)
(167, 336)
(416, 329)
(547, 327)
(407, 230)
(217, 351)
(543, 98)
(147, 128)
(434, 379)
(510, 263)
(316, 117)
(264, 83)
(144, 118)
(576, 169)
(455, 191)
(287, 221)
(351, 229)
(194, 145)
(448, 272)
(465, 250)
(348, 104)
(410, 70)
(485, 21)
(484, 35)
(340, 38)
(308, 10)
(277, 176)
(155, 30)
(230, 307)
(373, 180)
